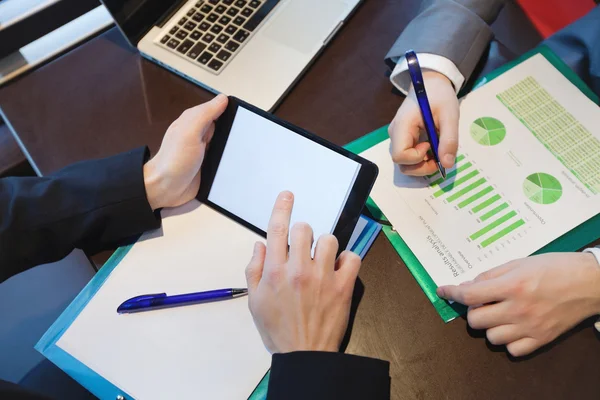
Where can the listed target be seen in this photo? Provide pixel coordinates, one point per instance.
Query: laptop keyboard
(212, 32)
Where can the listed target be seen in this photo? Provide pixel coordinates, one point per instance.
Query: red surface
(549, 16)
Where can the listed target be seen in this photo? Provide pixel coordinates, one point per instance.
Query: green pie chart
(488, 131)
(542, 188)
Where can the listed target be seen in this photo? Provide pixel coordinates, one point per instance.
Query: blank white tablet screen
(262, 158)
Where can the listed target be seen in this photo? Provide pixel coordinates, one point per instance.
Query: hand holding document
(527, 172)
(529, 302)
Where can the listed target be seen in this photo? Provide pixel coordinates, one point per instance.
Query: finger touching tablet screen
(253, 157)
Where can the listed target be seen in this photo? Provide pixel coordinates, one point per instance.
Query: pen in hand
(148, 302)
(416, 77)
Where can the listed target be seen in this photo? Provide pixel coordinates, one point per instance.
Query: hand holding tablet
(254, 156)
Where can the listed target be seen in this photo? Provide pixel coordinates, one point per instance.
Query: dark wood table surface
(103, 98)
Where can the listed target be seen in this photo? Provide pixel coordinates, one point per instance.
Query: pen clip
(145, 297)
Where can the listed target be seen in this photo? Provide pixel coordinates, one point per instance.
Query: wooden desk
(103, 98)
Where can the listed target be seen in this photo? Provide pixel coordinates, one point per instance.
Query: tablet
(253, 156)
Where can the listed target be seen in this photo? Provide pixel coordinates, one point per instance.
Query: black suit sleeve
(322, 375)
(89, 205)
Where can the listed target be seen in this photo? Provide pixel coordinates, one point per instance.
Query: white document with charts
(527, 172)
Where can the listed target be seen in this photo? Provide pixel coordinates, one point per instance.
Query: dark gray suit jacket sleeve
(456, 29)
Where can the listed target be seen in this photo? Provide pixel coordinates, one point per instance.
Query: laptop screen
(136, 17)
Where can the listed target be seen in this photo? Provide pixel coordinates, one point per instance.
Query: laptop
(252, 49)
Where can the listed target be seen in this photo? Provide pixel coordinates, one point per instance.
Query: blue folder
(95, 383)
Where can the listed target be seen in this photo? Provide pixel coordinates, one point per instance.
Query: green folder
(573, 240)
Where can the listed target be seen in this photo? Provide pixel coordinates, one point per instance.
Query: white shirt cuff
(596, 252)
(432, 62)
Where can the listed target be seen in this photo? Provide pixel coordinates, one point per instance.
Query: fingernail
(440, 292)
(449, 160)
(286, 195)
(256, 247)
(220, 98)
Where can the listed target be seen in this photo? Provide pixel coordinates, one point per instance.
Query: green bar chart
(486, 203)
(452, 174)
(492, 225)
(455, 183)
(493, 212)
(459, 158)
(475, 197)
(467, 188)
(502, 233)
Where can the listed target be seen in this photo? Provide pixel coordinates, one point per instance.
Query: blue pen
(417, 80)
(148, 302)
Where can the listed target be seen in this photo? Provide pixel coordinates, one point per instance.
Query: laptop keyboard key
(241, 36)
(208, 38)
(185, 46)
(223, 55)
(239, 21)
(204, 26)
(205, 57)
(223, 38)
(173, 43)
(212, 18)
(230, 30)
(195, 35)
(213, 1)
(220, 9)
(227, 2)
(224, 20)
(246, 12)
(173, 30)
(232, 46)
(165, 39)
(215, 64)
(199, 4)
(206, 9)
(254, 3)
(181, 34)
(240, 3)
(196, 50)
(191, 12)
(233, 11)
(182, 21)
(190, 26)
(214, 48)
(198, 17)
(216, 29)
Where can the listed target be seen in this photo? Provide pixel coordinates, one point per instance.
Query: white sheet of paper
(262, 158)
(455, 241)
(206, 351)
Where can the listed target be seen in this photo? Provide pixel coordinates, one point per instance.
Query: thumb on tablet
(208, 112)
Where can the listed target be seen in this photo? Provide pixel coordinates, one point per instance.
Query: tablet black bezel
(354, 204)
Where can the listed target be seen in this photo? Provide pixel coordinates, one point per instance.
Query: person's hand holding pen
(409, 147)
(298, 302)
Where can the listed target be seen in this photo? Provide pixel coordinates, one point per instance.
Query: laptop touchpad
(305, 24)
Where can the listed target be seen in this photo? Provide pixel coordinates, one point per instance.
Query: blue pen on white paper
(417, 80)
(148, 302)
